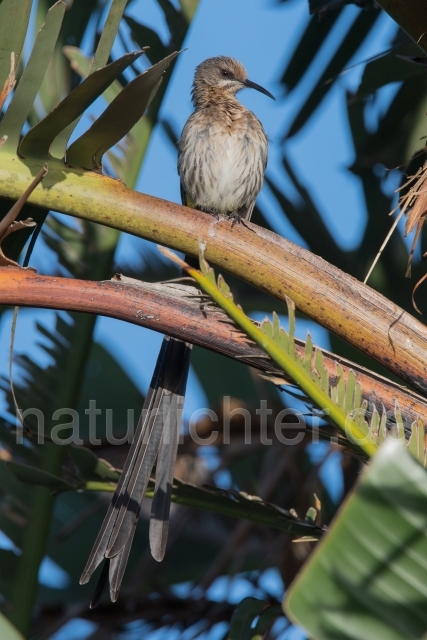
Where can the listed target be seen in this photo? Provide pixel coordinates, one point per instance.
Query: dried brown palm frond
(413, 204)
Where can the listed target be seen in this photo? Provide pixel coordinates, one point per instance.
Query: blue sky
(262, 35)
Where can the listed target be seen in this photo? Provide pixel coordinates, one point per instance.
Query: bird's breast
(222, 163)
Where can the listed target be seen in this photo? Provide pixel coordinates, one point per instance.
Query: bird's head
(224, 74)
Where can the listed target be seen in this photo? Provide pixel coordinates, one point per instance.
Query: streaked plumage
(221, 163)
(223, 147)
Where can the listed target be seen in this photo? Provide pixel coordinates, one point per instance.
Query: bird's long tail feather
(156, 437)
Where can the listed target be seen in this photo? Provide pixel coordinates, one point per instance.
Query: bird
(222, 158)
(222, 152)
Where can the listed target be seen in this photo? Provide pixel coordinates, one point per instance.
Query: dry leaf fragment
(9, 224)
(15, 226)
(414, 205)
(9, 82)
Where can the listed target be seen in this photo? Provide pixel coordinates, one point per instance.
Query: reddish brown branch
(342, 304)
(180, 311)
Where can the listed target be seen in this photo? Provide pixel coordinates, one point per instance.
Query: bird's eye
(224, 72)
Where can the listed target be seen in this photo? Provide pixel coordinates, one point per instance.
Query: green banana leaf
(368, 577)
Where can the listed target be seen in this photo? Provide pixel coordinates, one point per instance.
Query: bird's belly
(228, 172)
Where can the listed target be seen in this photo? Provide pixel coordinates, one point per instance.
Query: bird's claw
(235, 217)
(212, 212)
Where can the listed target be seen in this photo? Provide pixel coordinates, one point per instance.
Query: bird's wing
(246, 212)
(183, 195)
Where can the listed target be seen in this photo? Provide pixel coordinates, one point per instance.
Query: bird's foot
(235, 217)
(212, 212)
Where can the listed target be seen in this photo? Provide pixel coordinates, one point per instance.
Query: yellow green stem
(351, 429)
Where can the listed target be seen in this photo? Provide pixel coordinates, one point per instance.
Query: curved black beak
(253, 85)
